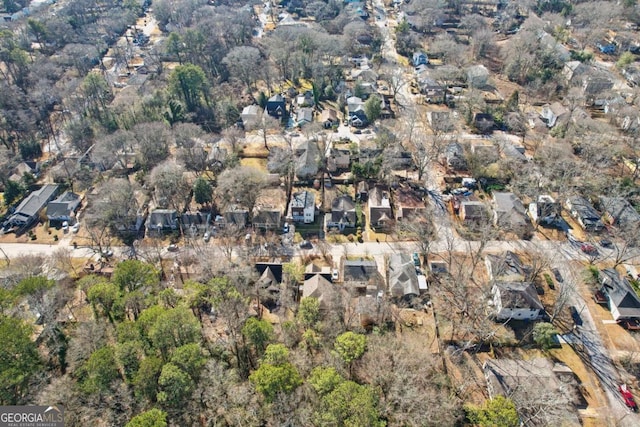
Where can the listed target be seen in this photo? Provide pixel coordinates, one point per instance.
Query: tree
(245, 64)
(259, 333)
(129, 354)
(175, 385)
(190, 83)
(544, 334)
(499, 411)
(241, 186)
(132, 274)
(171, 189)
(35, 289)
(373, 108)
(174, 328)
(325, 379)
(275, 375)
(19, 360)
(98, 373)
(350, 347)
(153, 141)
(190, 359)
(309, 312)
(202, 191)
(350, 404)
(146, 379)
(13, 190)
(104, 295)
(151, 418)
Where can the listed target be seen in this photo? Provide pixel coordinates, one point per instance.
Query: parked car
(207, 237)
(606, 243)
(305, 244)
(172, 247)
(575, 315)
(106, 253)
(334, 274)
(628, 397)
(557, 275)
(588, 249)
(65, 227)
(285, 227)
(75, 227)
(416, 259)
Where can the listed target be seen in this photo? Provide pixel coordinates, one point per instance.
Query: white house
(303, 206)
(516, 300)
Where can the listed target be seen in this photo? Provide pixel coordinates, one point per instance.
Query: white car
(207, 237)
(334, 274)
(75, 227)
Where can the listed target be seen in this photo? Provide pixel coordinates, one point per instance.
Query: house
(355, 110)
(513, 152)
(433, 91)
(507, 267)
(470, 211)
(509, 212)
(545, 211)
(304, 116)
(276, 106)
(362, 276)
(302, 207)
(483, 122)
(623, 300)
(408, 203)
(380, 214)
(420, 58)
(329, 118)
(266, 218)
(596, 85)
(25, 168)
(28, 211)
(529, 383)
(574, 70)
(307, 160)
(619, 212)
(553, 114)
(454, 156)
(195, 223)
(314, 269)
(162, 220)
(362, 193)
(63, 209)
(338, 160)
(235, 217)
(516, 300)
(319, 287)
(477, 76)
(343, 213)
(250, 115)
(305, 99)
(402, 277)
(268, 283)
(584, 213)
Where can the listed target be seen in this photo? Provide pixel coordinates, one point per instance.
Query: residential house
(402, 277)
(477, 76)
(304, 116)
(483, 122)
(305, 99)
(302, 207)
(329, 118)
(63, 209)
(553, 114)
(454, 156)
(250, 116)
(269, 283)
(195, 223)
(420, 58)
(355, 111)
(362, 276)
(28, 211)
(596, 85)
(509, 212)
(507, 267)
(266, 218)
(380, 214)
(584, 213)
(516, 300)
(545, 211)
(307, 160)
(314, 269)
(276, 106)
(236, 217)
(338, 160)
(162, 220)
(513, 152)
(622, 298)
(319, 287)
(619, 212)
(408, 203)
(536, 380)
(440, 121)
(471, 211)
(574, 70)
(25, 168)
(343, 213)
(433, 91)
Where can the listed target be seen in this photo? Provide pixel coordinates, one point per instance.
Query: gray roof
(31, 206)
(308, 156)
(620, 211)
(581, 208)
(343, 208)
(361, 271)
(63, 206)
(509, 209)
(267, 217)
(403, 280)
(166, 218)
(237, 217)
(518, 295)
(317, 286)
(505, 266)
(620, 293)
(303, 199)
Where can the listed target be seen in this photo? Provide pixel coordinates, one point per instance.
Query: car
(305, 244)
(575, 315)
(65, 226)
(606, 243)
(285, 227)
(588, 249)
(334, 274)
(207, 237)
(75, 227)
(106, 253)
(557, 275)
(172, 247)
(416, 259)
(628, 397)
